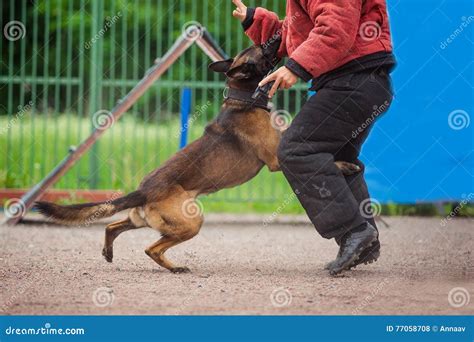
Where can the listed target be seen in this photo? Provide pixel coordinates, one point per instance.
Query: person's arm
(336, 23)
(261, 25)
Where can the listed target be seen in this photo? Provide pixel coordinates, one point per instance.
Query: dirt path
(237, 269)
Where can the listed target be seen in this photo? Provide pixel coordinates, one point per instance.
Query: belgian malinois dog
(233, 149)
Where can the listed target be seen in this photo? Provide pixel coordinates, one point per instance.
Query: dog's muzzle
(247, 97)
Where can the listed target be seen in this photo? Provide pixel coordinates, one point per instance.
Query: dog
(232, 150)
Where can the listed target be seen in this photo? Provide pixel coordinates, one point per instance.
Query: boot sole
(352, 262)
(371, 258)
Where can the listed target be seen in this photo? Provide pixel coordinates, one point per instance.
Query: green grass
(128, 151)
(124, 155)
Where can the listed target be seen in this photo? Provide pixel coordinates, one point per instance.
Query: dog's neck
(243, 92)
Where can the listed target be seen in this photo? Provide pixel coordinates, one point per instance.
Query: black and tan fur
(232, 150)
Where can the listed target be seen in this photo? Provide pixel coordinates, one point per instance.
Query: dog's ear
(221, 66)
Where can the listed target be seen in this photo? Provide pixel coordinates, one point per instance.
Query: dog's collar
(247, 97)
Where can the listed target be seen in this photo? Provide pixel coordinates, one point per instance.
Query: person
(344, 48)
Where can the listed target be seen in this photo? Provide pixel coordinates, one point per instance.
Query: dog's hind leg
(116, 228)
(158, 249)
(178, 219)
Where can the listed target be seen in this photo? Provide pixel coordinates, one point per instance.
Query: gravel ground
(238, 268)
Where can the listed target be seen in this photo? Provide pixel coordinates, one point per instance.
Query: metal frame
(195, 33)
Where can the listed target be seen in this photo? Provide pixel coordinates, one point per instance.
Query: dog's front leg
(269, 158)
(274, 165)
(267, 151)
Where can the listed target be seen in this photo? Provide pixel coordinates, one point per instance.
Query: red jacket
(321, 35)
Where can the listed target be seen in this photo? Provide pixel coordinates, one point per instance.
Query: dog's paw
(275, 167)
(180, 270)
(347, 168)
(108, 254)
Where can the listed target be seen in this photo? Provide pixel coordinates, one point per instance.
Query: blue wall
(413, 154)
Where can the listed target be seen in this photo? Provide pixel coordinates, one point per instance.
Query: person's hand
(283, 77)
(241, 11)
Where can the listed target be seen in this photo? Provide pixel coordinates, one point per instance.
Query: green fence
(63, 60)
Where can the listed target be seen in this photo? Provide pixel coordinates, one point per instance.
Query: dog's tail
(90, 212)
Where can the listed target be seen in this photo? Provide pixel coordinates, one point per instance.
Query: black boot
(353, 244)
(368, 256)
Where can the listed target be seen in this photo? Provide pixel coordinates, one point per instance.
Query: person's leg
(324, 129)
(306, 156)
(351, 151)
(356, 182)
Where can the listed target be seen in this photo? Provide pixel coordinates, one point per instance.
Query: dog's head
(250, 65)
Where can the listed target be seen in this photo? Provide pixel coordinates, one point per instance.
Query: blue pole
(310, 93)
(185, 111)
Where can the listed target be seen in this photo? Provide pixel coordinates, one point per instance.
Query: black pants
(332, 126)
